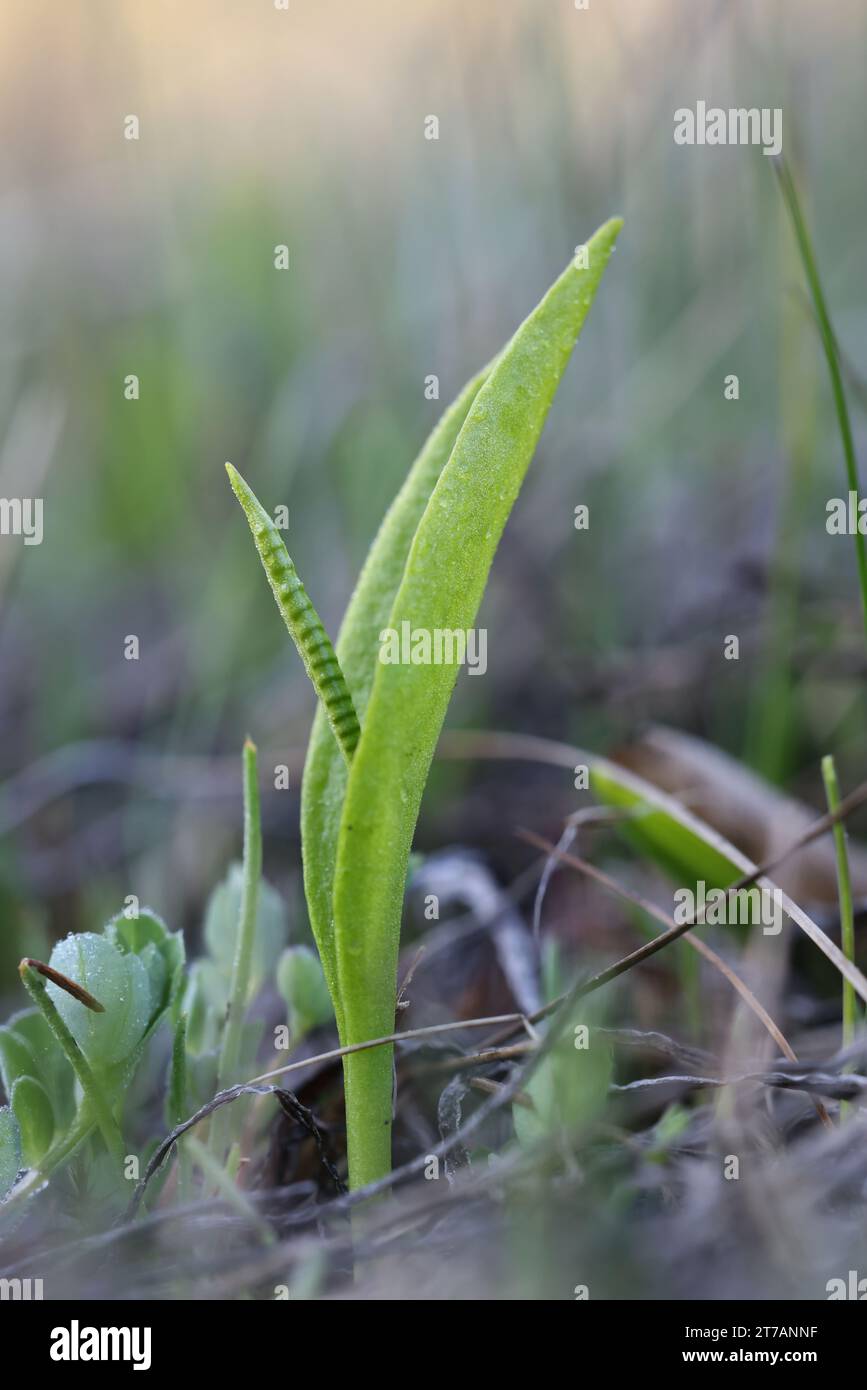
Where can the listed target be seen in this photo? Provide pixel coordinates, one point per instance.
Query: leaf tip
(610, 230)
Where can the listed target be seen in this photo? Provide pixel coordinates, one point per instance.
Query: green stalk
(829, 343)
(177, 1101)
(94, 1094)
(844, 889)
(230, 1051)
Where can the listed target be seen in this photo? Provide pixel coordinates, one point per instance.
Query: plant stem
(230, 1051)
(844, 889)
(829, 343)
(94, 1094)
(368, 1079)
(231, 1048)
(178, 1100)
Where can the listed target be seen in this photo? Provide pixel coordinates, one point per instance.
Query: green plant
(832, 355)
(67, 1063)
(96, 1005)
(844, 887)
(378, 724)
(302, 984)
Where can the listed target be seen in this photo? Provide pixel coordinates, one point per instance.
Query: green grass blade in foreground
(442, 588)
(325, 771)
(844, 886)
(302, 620)
(224, 1122)
(239, 988)
(829, 343)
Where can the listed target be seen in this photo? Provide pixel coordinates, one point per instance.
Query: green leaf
(686, 856)
(29, 1048)
(325, 771)
(205, 1000)
(221, 929)
(160, 951)
(176, 1091)
(17, 1056)
(10, 1150)
(700, 846)
(302, 984)
(35, 1116)
(441, 589)
(120, 982)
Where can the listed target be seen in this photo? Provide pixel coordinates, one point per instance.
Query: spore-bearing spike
(304, 624)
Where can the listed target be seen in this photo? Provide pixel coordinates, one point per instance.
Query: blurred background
(408, 257)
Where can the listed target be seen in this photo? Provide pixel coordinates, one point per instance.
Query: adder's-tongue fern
(428, 568)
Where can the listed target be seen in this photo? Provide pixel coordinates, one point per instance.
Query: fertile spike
(302, 620)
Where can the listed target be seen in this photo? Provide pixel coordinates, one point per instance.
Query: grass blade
(832, 356)
(239, 988)
(844, 885)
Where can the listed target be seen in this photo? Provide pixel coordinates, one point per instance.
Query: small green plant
(377, 724)
(96, 1004)
(847, 911)
(302, 985)
(832, 354)
(67, 1063)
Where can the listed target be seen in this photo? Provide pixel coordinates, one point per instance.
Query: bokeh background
(408, 257)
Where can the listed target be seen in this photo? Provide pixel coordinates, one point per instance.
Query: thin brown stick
(493, 1088)
(447, 1065)
(406, 1036)
(63, 982)
(650, 948)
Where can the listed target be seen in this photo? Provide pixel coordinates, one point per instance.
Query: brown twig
(63, 982)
